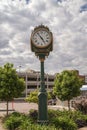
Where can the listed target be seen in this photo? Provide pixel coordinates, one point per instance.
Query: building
(32, 80)
(81, 76)
(85, 79)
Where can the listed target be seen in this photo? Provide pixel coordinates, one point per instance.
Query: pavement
(24, 107)
(17, 106)
(85, 128)
(1, 125)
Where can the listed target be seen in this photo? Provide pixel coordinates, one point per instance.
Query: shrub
(33, 115)
(65, 123)
(51, 114)
(58, 120)
(81, 123)
(76, 116)
(14, 120)
(81, 106)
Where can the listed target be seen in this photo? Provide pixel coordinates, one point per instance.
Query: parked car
(52, 102)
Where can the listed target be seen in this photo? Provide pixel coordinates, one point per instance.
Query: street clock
(41, 40)
(42, 43)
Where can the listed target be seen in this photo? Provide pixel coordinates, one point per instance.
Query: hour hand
(41, 37)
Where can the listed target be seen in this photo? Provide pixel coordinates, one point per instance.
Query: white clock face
(41, 38)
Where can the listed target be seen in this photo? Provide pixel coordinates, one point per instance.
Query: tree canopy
(33, 96)
(11, 86)
(67, 85)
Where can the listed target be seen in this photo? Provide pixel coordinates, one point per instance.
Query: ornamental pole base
(42, 108)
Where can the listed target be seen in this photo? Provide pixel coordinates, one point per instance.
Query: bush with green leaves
(76, 116)
(81, 106)
(33, 115)
(33, 96)
(64, 123)
(58, 120)
(62, 119)
(15, 120)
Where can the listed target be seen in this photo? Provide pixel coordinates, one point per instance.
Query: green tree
(11, 86)
(33, 96)
(67, 85)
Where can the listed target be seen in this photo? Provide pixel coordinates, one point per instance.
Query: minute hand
(41, 37)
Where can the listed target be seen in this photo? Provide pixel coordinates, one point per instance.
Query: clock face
(41, 38)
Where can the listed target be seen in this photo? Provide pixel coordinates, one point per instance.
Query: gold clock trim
(41, 29)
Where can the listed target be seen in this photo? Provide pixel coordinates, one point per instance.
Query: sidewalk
(85, 128)
(1, 126)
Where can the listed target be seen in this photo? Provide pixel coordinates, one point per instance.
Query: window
(32, 87)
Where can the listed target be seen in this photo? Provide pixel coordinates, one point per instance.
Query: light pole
(42, 95)
(19, 68)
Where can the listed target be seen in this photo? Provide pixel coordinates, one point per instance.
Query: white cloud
(66, 20)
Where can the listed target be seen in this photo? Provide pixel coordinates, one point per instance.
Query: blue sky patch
(83, 8)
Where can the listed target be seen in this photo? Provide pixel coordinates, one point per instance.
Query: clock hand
(41, 37)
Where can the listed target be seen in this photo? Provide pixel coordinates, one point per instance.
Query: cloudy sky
(67, 19)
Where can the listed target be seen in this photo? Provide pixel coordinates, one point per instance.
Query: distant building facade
(32, 80)
(85, 79)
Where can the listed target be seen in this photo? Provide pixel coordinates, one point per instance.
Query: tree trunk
(69, 105)
(7, 108)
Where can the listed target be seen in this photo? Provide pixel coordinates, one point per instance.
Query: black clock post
(42, 44)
